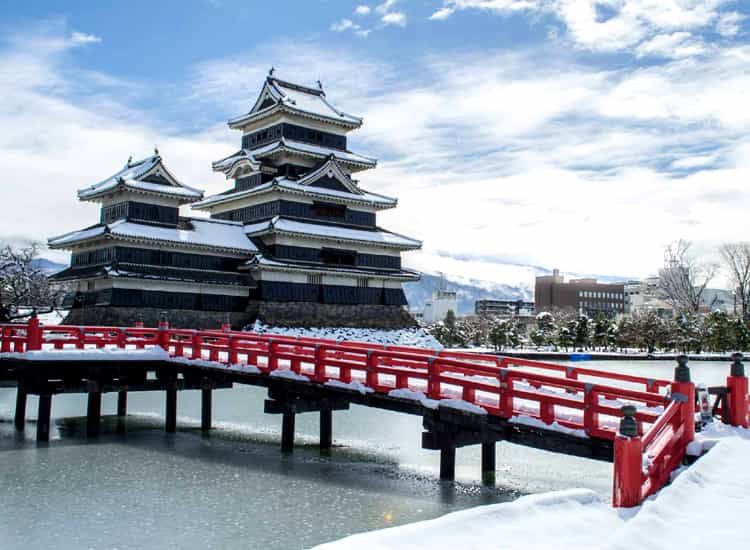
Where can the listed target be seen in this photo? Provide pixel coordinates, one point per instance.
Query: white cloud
(344, 25)
(616, 25)
(394, 18)
(674, 45)
(728, 24)
(362, 10)
(385, 7)
(83, 38)
(442, 13)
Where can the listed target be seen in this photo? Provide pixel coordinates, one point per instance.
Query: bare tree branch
(23, 284)
(682, 279)
(736, 258)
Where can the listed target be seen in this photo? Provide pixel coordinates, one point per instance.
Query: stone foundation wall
(309, 314)
(285, 314)
(178, 318)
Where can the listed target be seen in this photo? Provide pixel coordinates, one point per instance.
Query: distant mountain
(48, 266)
(467, 291)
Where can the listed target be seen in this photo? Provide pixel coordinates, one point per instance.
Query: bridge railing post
(590, 412)
(196, 346)
(273, 361)
(320, 367)
(232, 355)
(683, 386)
(737, 393)
(163, 337)
(33, 334)
(433, 378)
(628, 474)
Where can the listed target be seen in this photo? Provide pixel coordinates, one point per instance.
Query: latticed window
(363, 282)
(315, 279)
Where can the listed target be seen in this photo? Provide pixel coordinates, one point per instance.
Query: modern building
(586, 296)
(293, 242)
(646, 296)
(438, 307)
(503, 308)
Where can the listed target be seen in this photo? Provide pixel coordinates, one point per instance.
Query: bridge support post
(93, 410)
(20, 416)
(43, 417)
(448, 462)
(122, 403)
(170, 423)
(488, 462)
(326, 429)
(287, 431)
(206, 395)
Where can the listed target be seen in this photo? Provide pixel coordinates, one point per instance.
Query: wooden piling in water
(488, 462)
(326, 429)
(287, 432)
(206, 395)
(170, 424)
(93, 413)
(122, 403)
(20, 416)
(43, 417)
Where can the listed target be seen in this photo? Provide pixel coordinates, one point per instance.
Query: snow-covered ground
(705, 506)
(416, 337)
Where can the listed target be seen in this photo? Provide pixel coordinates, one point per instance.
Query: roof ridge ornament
(271, 70)
(130, 160)
(156, 151)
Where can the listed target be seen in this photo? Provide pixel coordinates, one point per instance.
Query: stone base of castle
(282, 314)
(118, 316)
(310, 314)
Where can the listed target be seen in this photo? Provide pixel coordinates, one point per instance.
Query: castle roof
(335, 233)
(148, 176)
(280, 95)
(271, 264)
(192, 232)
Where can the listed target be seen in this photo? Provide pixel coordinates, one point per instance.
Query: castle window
(328, 210)
(314, 279)
(363, 282)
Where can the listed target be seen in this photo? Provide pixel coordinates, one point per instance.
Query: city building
(647, 296)
(504, 308)
(586, 296)
(438, 307)
(293, 242)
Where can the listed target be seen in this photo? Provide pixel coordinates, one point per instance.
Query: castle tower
(322, 259)
(143, 258)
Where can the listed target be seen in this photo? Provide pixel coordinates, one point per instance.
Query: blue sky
(584, 134)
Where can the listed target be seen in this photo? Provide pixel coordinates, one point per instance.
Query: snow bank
(705, 506)
(415, 337)
(559, 520)
(92, 354)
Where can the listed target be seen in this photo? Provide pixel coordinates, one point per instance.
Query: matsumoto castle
(293, 242)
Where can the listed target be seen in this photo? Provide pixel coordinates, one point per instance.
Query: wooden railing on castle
(650, 421)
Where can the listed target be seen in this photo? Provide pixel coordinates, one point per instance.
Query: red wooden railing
(658, 414)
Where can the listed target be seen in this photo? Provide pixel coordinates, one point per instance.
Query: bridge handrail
(491, 383)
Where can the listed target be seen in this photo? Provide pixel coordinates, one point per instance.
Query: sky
(579, 134)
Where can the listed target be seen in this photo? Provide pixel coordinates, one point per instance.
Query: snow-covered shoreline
(705, 505)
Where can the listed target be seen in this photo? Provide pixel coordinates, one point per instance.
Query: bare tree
(736, 258)
(683, 279)
(23, 284)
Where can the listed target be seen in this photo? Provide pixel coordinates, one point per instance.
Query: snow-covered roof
(353, 160)
(333, 232)
(305, 186)
(230, 164)
(295, 98)
(202, 233)
(134, 176)
(310, 267)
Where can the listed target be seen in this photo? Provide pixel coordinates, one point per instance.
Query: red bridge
(644, 425)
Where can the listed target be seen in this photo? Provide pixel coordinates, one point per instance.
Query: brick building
(587, 296)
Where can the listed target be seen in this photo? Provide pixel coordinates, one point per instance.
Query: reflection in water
(137, 487)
